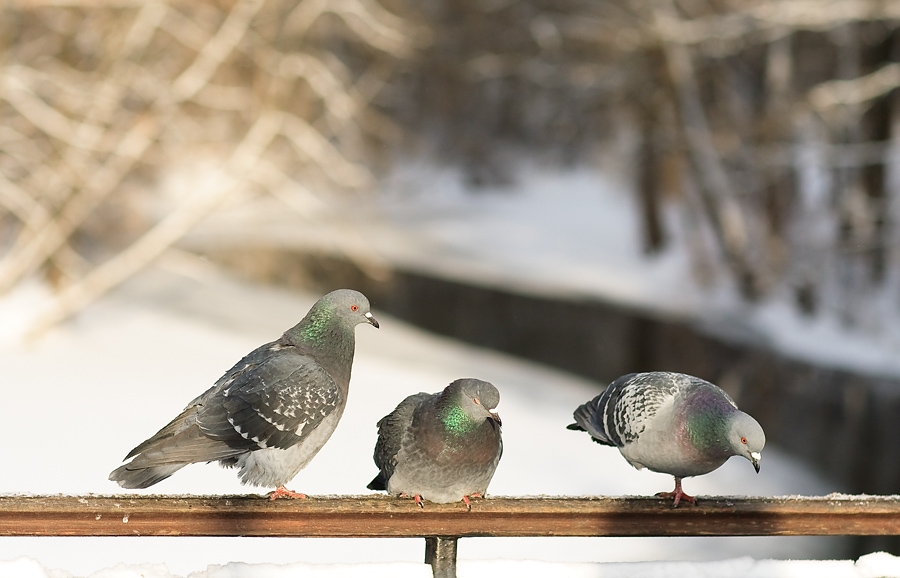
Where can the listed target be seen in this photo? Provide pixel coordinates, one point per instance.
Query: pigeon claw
(678, 495)
(417, 498)
(467, 500)
(282, 492)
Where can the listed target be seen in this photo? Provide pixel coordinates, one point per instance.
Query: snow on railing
(442, 525)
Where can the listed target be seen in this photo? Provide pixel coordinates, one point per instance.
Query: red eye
(476, 400)
(354, 308)
(744, 441)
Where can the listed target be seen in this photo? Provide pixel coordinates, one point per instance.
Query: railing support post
(440, 552)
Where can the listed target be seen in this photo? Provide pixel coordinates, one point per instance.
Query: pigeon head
(336, 312)
(347, 307)
(746, 437)
(468, 403)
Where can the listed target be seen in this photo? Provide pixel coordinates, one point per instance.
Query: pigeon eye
(354, 308)
(476, 400)
(744, 441)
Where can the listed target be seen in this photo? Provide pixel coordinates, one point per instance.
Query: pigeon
(442, 447)
(671, 423)
(272, 412)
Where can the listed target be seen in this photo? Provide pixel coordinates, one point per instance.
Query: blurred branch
(45, 234)
(771, 20)
(32, 214)
(313, 145)
(28, 254)
(131, 260)
(855, 91)
(20, 203)
(374, 25)
(729, 32)
(714, 184)
(30, 106)
(91, 117)
(215, 50)
(309, 207)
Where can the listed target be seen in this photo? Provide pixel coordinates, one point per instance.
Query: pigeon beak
(372, 320)
(754, 459)
(495, 417)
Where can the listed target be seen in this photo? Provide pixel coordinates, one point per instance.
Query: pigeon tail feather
(587, 419)
(170, 430)
(188, 447)
(164, 457)
(140, 478)
(378, 483)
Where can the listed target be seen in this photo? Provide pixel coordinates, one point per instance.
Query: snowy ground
(89, 391)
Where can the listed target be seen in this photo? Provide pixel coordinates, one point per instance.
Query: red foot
(678, 495)
(469, 502)
(417, 498)
(282, 492)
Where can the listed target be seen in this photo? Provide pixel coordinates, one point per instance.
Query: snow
(876, 565)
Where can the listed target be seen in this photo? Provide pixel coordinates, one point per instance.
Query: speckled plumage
(671, 423)
(442, 447)
(270, 413)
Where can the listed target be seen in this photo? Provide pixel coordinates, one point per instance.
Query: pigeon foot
(678, 495)
(417, 498)
(282, 492)
(469, 502)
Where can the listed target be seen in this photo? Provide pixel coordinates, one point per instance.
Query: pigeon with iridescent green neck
(270, 413)
(671, 423)
(442, 447)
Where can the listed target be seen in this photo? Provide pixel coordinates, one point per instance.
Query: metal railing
(442, 525)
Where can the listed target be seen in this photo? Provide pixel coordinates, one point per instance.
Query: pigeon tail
(171, 429)
(160, 458)
(141, 478)
(379, 483)
(587, 419)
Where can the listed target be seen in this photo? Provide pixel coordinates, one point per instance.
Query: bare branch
(131, 260)
(215, 51)
(27, 256)
(715, 186)
(311, 143)
(855, 91)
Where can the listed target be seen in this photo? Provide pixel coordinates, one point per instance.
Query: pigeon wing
(390, 434)
(633, 401)
(622, 412)
(276, 404)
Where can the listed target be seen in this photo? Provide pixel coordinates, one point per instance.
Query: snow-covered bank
(91, 390)
(562, 233)
(877, 565)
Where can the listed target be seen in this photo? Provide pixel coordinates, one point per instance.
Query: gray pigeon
(442, 447)
(671, 423)
(271, 412)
